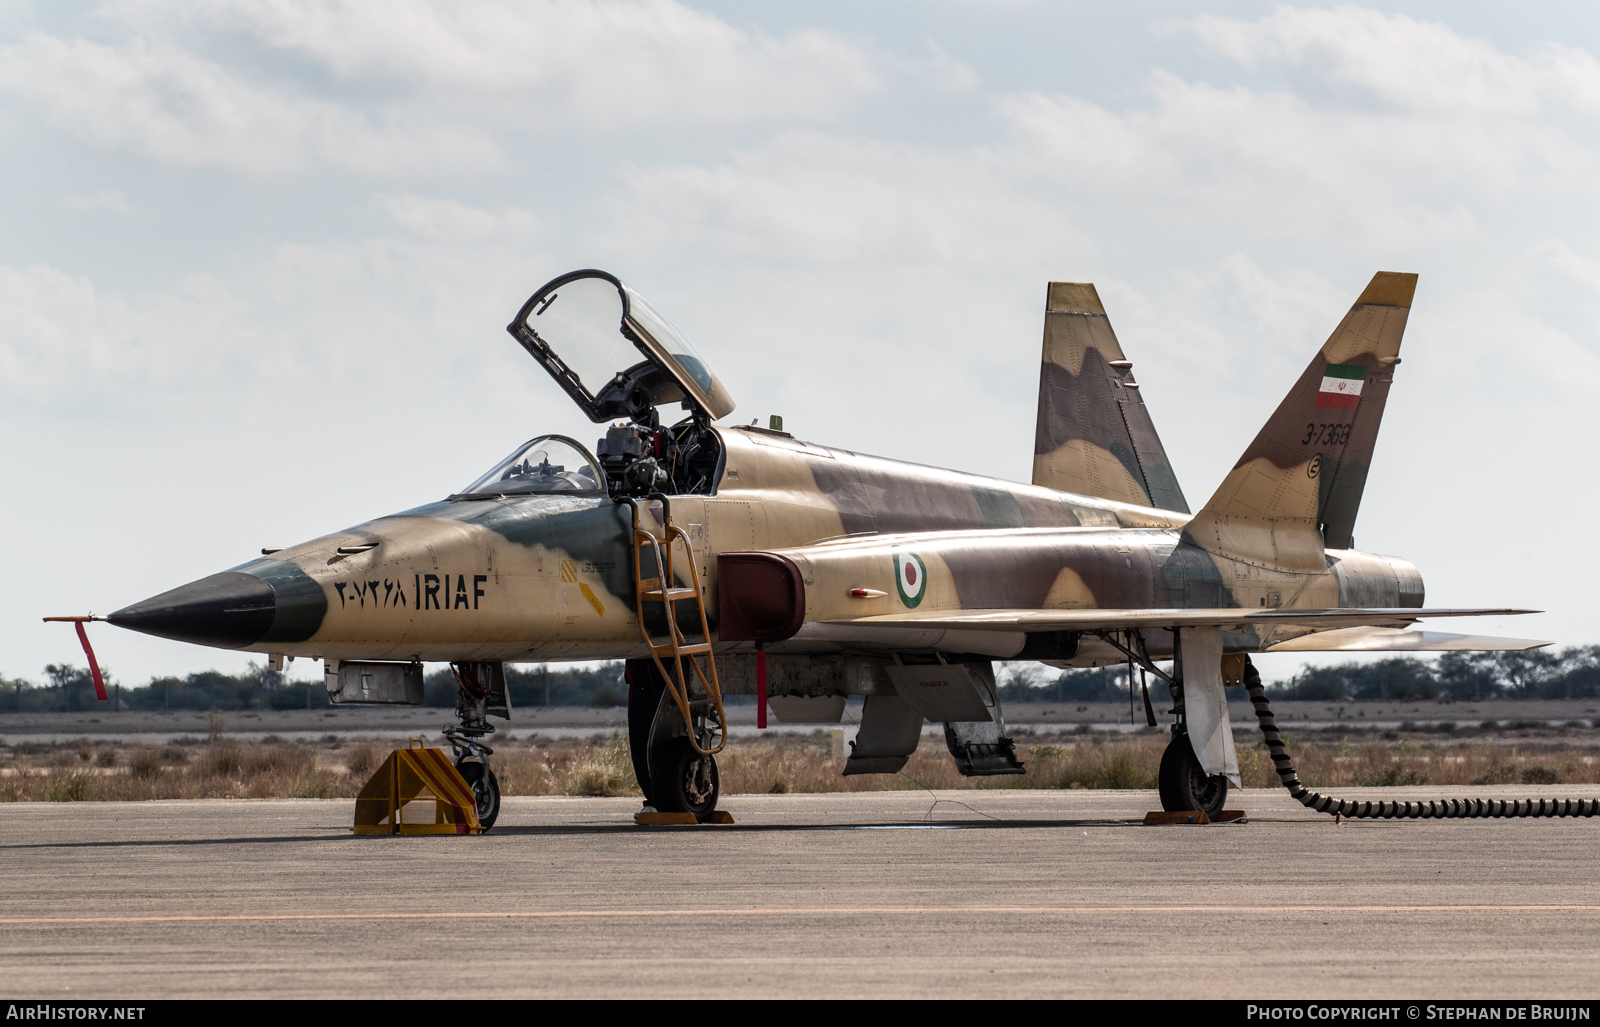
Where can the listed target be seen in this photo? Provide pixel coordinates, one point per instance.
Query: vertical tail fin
(1094, 434)
(1298, 486)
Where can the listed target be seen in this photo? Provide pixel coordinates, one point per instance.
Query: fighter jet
(722, 559)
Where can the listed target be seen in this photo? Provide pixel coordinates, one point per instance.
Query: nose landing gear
(485, 786)
(480, 689)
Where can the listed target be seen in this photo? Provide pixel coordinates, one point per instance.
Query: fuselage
(549, 577)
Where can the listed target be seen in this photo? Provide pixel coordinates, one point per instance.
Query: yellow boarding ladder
(677, 647)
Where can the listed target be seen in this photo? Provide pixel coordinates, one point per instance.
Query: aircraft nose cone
(232, 610)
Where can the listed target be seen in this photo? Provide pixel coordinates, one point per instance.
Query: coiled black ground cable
(1443, 809)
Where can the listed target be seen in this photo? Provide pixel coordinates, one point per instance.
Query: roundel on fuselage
(910, 577)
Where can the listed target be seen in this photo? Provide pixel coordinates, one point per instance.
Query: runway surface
(1003, 893)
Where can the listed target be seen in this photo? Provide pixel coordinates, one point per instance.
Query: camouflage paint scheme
(548, 577)
(1095, 436)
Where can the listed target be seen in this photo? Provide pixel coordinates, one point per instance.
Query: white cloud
(587, 63)
(179, 108)
(1277, 165)
(449, 220)
(64, 341)
(416, 86)
(828, 199)
(338, 313)
(111, 201)
(1418, 66)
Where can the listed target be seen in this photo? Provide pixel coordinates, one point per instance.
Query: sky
(256, 259)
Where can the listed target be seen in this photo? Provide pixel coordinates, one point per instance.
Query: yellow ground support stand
(417, 775)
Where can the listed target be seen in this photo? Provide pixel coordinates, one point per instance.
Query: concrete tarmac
(995, 893)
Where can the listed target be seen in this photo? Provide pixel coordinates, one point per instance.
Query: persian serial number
(426, 593)
(1332, 434)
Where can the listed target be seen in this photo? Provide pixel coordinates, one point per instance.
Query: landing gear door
(612, 352)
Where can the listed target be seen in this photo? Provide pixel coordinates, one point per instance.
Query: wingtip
(1389, 289)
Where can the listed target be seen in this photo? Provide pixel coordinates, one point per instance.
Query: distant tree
(528, 686)
(1578, 677)
(74, 685)
(1468, 676)
(1320, 684)
(1523, 672)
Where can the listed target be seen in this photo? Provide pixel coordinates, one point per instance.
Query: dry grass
(1411, 763)
(336, 768)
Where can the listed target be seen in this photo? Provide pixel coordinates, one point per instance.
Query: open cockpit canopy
(590, 332)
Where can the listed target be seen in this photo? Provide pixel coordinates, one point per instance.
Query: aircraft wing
(1397, 640)
(1116, 620)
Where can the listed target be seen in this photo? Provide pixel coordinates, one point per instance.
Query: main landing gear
(684, 781)
(1185, 786)
(676, 723)
(674, 775)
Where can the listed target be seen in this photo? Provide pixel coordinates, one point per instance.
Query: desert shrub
(366, 756)
(287, 760)
(222, 759)
(145, 763)
(77, 787)
(604, 769)
(1499, 774)
(313, 785)
(1395, 774)
(523, 773)
(1539, 774)
(1130, 762)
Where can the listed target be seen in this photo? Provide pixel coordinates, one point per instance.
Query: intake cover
(760, 597)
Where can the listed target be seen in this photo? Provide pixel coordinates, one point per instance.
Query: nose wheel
(485, 789)
(1184, 784)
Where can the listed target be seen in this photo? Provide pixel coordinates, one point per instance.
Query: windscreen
(550, 463)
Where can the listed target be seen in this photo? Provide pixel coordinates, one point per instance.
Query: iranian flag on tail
(1341, 386)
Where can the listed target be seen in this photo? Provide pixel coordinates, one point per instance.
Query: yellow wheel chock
(682, 819)
(409, 777)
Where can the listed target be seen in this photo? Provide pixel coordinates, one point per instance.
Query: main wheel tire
(485, 789)
(1185, 786)
(684, 781)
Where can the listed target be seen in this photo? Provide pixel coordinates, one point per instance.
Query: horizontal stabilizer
(1235, 619)
(1395, 640)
